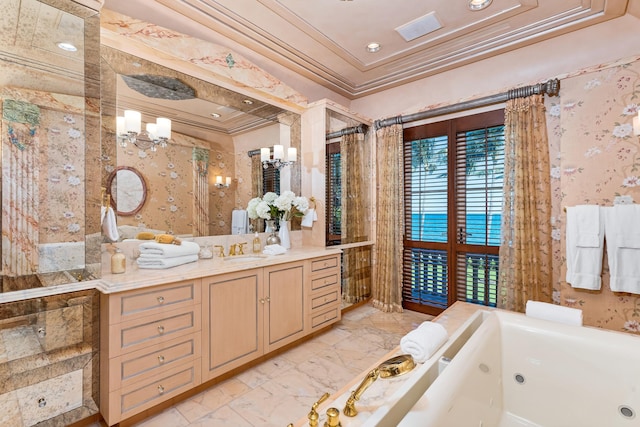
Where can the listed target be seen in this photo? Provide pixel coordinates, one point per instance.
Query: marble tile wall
(49, 360)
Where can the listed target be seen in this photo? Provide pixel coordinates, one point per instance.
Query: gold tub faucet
(313, 414)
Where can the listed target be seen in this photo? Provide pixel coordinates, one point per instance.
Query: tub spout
(350, 407)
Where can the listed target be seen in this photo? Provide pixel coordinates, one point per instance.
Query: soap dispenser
(118, 262)
(257, 244)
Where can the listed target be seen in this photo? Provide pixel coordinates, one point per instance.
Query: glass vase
(272, 239)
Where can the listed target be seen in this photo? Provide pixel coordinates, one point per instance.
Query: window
(334, 194)
(271, 180)
(453, 174)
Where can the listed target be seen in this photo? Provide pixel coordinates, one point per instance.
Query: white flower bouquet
(283, 207)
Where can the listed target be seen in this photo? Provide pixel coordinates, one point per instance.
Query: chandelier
(278, 160)
(129, 130)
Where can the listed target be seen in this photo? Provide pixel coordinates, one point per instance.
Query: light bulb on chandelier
(129, 126)
(278, 160)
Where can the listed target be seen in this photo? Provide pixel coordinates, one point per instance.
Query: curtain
(355, 262)
(200, 157)
(256, 187)
(387, 289)
(525, 250)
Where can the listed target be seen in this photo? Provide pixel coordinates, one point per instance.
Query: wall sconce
(278, 160)
(219, 184)
(636, 124)
(129, 126)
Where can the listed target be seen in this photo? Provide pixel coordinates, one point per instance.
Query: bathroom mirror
(213, 130)
(49, 79)
(127, 190)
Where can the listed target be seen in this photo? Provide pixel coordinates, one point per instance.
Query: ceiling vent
(419, 27)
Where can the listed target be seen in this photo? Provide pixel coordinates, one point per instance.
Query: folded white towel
(160, 263)
(274, 250)
(239, 221)
(554, 313)
(584, 246)
(309, 217)
(109, 223)
(622, 226)
(168, 250)
(423, 341)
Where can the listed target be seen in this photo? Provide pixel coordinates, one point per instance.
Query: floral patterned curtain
(256, 187)
(200, 157)
(355, 262)
(525, 251)
(387, 288)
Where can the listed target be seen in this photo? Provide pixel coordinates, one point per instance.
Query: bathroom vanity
(165, 332)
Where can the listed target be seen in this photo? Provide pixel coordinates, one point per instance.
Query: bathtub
(517, 371)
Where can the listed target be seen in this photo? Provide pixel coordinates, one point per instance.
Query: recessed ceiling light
(373, 47)
(215, 115)
(68, 47)
(479, 4)
(248, 101)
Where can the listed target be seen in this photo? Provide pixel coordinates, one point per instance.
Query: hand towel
(423, 341)
(274, 250)
(109, 223)
(622, 229)
(309, 217)
(168, 250)
(239, 221)
(157, 262)
(554, 313)
(584, 246)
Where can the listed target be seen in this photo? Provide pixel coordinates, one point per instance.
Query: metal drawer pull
(161, 359)
(268, 299)
(161, 329)
(160, 389)
(160, 299)
(261, 300)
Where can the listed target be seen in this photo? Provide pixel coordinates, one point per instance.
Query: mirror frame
(112, 189)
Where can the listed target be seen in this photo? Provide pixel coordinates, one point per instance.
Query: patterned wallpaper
(594, 158)
(169, 176)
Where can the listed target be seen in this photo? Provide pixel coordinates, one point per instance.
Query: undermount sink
(244, 258)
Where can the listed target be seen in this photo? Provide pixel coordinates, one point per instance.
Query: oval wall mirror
(127, 189)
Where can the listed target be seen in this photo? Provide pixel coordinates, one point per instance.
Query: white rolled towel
(156, 262)
(423, 341)
(274, 250)
(168, 250)
(554, 313)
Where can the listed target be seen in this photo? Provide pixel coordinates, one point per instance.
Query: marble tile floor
(282, 389)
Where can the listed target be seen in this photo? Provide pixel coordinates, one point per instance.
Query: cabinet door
(232, 324)
(284, 297)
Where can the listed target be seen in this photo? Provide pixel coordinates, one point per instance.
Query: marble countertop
(136, 278)
(384, 391)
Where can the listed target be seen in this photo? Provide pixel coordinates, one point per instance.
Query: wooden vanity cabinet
(150, 347)
(251, 313)
(160, 341)
(324, 300)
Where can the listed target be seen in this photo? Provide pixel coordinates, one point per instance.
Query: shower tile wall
(49, 360)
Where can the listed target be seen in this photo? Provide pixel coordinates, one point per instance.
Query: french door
(453, 174)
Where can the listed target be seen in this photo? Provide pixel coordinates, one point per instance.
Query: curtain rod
(551, 88)
(361, 128)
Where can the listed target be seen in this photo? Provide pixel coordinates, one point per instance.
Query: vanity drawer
(324, 299)
(320, 264)
(150, 330)
(142, 364)
(137, 397)
(136, 304)
(324, 281)
(326, 317)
